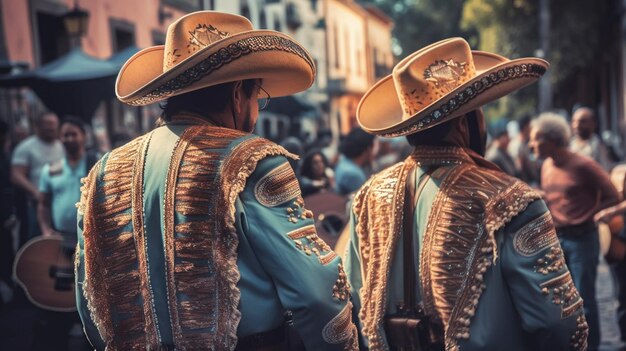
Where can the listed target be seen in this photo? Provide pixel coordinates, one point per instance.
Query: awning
(291, 106)
(73, 84)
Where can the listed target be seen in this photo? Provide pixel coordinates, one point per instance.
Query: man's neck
(560, 157)
(74, 158)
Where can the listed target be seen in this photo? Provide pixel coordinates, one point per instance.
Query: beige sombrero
(440, 82)
(207, 48)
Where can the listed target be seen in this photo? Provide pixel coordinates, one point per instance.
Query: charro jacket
(193, 236)
(491, 270)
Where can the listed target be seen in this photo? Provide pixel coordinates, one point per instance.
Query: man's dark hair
(75, 122)
(432, 136)
(524, 121)
(356, 142)
(206, 100)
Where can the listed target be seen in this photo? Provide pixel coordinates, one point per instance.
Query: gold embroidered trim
(462, 225)
(563, 293)
(297, 212)
(110, 253)
(535, 236)
(341, 330)
(579, 340)
(341, 289)
(170, 242)
(313, 244)
(278, 186)
(152, 328)
(378, 206)
(235, 170)
(552, 261)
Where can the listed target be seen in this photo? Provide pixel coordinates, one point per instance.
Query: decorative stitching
(552, 261)
(579, 340)
(277, 186)
(220, 58)
(306, 240)
(341, 289)
(535, 236)
(563, 293)
(466, 95)
(340, 329)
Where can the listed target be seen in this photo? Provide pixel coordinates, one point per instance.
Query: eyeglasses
(263, 99)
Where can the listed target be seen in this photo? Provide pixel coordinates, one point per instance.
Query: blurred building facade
(351, 46)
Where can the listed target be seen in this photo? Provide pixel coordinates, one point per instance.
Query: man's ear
(237, 96)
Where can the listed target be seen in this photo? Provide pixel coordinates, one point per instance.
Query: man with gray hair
(575, 189)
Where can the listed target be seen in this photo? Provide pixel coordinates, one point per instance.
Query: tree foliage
(511, 29)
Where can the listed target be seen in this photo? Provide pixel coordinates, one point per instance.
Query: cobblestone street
(607, 305)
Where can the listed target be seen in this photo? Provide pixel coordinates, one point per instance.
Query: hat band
(466, 95)
(220, 58)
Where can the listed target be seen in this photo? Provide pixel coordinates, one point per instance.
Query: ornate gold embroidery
(306, 239)
(110, 255)
(236, 169)
(379, 219)
(459, 243)
(278, 186)
(296, 211)
(341, 330)
(204, 35)
(579, 340)
(445, 74)
(535, 236)
(341, 289)
(471, 206)
(563, 293)
(552, 261)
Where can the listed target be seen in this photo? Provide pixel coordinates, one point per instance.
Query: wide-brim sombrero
(207, 48)
(440, 82)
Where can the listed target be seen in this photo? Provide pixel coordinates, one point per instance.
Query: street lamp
(76, 22)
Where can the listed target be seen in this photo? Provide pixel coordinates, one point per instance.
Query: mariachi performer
(195, 236)
(474, 249)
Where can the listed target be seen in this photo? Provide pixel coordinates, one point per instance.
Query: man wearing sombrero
(195, 235)
(476, 248)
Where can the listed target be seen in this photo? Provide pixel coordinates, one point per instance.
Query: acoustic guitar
(44, 268)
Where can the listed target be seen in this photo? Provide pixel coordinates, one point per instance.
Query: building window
(263, 19)
(122, 34)
(158, 38)
(53, 38)
(244, 9)
(184, 5)
(277, 24)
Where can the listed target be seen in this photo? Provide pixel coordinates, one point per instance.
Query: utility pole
(545, 86)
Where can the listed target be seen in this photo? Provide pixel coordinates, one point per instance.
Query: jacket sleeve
(89, 326)
(309, 277)
(540, 284)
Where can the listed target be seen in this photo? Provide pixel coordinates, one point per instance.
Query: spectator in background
(356, 154)
(28, 160)
(293, 145)
(585, 141)
(576, 188)
(315, 174)
(60, 185)
(527, 164)
(498, 153)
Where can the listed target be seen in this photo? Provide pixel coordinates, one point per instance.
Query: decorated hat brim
(284, 66)
(380, 111)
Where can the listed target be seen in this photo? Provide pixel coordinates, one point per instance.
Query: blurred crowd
(40, 185)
